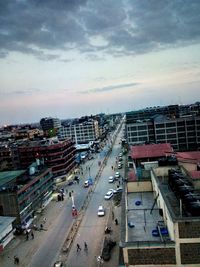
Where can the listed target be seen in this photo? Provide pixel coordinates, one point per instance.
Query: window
(160, 125)
(171, 136)
(181, 134)
(171, 130)
(171, 124)
(160, 137)
(160, 131)
(142, 127)
(142, 133)
(133, 128)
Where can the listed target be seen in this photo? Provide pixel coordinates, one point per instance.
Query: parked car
(108, 195)
(118, 190)
(101, 211)
(111, 179)
(117, 175)
(120, 159)
(58, 264)
(86, 184)
(119, 166)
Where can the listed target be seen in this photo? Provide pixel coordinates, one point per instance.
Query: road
(52, 243)
(92, 227)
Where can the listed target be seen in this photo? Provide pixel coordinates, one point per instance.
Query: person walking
(85, 246)
(78, 247)
(32, 235)
(27, 235)
(16, 260)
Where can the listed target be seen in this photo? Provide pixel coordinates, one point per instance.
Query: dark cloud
(109, 88)
(40, 27)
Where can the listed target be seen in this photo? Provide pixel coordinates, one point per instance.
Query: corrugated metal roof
(151, 151)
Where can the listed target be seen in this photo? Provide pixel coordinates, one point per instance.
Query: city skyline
(69, 59)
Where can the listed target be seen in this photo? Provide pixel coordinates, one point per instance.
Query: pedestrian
(116, 221)
(78, 247)
(85, 246)
(41, 226)
(16, 260)
(27, 235)
(32, 235)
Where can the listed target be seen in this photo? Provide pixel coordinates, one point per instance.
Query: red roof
(192, 156)
(151, 151)
(195, 174)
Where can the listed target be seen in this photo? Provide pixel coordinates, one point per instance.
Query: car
(119, 166)
(120, 155)
(118, 190)
(108, 195)
(101, 211)
(58, 264)
(119, 158)
(86, 183)
(111, 179)
(117, 175)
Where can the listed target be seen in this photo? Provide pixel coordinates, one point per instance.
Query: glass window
(142, 133)
(133, 128)
(160, 131)
(180, 123)
(170, 124)
(142, 127)
(160, 125)
(160, 137)
(171, 136)
(171, 130)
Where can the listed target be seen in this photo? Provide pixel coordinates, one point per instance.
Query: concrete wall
(139, 187)
(162, 171)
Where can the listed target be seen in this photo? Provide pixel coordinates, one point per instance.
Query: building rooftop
(145, 217)
(8, 176)
(150, 151)
(191, 156)
(5, 222)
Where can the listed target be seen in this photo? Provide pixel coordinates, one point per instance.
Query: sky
(72, 58)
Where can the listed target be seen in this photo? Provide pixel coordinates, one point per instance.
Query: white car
(117, 175)
(101, 211)
(108, 195)
(119, 166)
(111, 179)
(86, 183)
(118, 190)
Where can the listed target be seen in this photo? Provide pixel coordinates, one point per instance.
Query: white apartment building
(80, 132)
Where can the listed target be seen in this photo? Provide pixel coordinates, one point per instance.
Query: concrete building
(182, 133)
(6, 231)
(50, 126)
(58, 155)
(24, 192)
(80, 133)
(159, 227)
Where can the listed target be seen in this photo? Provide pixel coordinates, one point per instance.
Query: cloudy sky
(70, 58)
